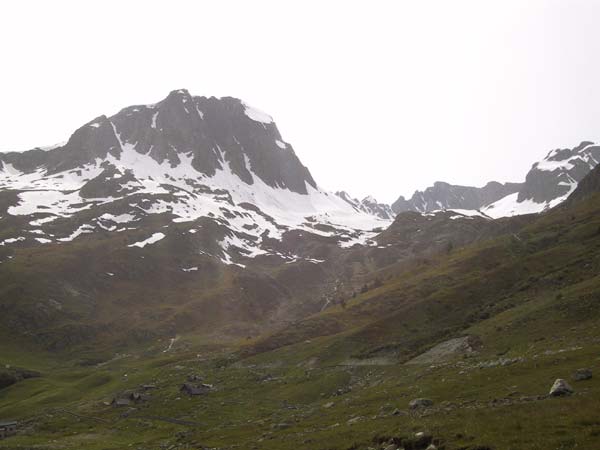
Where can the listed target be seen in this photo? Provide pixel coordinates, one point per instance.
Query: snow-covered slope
(186, 158)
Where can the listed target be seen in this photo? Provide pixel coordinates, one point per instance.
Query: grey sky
(377, 97)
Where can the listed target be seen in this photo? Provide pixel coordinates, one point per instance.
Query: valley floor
(488, 399)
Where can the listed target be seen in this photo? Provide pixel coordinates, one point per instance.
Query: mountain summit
(204, 133)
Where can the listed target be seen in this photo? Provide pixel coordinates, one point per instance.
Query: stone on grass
(419, 403)
(560, 388)
(582, 374)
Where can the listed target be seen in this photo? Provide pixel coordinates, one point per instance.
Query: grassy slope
(548, 266)
(95, 291)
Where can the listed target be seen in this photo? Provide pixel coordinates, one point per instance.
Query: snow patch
(12, 240)
(510, 206)
(256, 114)
(467, 214)
(47, 148)
(39, 222)
(121, 218)
(79, 231)
(151, 240)
(154, 116)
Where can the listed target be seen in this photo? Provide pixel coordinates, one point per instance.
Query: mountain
(548, 183)
(368, 205)
(447, 196)
(191, 213)
(185, 158)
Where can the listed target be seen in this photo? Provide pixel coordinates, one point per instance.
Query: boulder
(582, 374)
(419, 403)
(560, 388)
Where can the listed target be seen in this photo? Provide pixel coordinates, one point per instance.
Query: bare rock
(462, 346)
(420, 403)
(560, 388)
(582, 374)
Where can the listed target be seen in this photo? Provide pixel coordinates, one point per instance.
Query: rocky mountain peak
(557, 175)
(186, 159)
(209, 133)
(549, 182)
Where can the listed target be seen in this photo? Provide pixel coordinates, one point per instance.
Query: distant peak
(369, 199)
(177, 96)
(179, 92)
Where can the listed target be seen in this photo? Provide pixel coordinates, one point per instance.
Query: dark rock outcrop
(590, 185)
(558, 173)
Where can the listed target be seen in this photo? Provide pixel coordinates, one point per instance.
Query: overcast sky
(377, 97)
